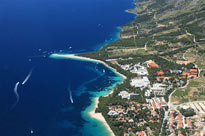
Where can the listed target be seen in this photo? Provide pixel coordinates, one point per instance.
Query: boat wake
(27, 77)
(71, 98)
(70, 94)
(16, 94)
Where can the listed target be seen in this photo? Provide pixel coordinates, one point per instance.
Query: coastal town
(156, 111)
(161, 57)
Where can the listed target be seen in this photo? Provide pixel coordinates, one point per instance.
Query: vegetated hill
(162, 27)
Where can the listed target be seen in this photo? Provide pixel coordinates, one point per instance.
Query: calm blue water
(32, 29)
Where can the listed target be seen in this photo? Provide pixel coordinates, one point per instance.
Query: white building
(140, 70)
(124, 95)
(158, 89)
(140, 82)
(113, 113)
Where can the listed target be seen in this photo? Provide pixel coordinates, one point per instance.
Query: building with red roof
(140, 133)
(185, 74)
(193, 72)
(160, 72)
(153, 65)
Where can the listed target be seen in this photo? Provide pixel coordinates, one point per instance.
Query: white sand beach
(99, 116)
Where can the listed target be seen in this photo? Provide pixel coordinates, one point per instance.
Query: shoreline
(92, 113)
(99, 116)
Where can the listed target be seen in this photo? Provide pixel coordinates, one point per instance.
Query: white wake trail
(27, 77)
(71, 98)
(16, 94)
(16, 91)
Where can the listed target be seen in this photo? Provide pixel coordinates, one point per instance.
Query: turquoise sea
(41, 96)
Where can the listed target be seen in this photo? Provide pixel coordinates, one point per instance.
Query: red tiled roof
(153, 65)
(180, 125)
(141, 133)
(193, 70)
(181, 77)
(159, 77)
(186, 74)
(160, 73)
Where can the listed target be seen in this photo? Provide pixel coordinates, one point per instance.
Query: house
(140, 82)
